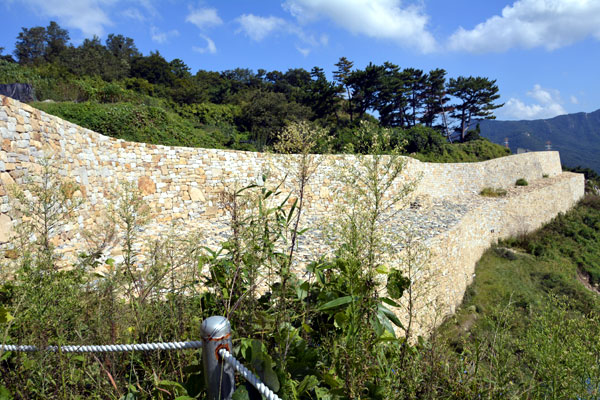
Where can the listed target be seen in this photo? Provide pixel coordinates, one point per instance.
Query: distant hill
(575, 136)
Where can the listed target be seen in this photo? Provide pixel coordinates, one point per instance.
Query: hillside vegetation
(114, 89)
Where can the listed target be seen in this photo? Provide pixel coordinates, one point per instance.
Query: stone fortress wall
(185, 185)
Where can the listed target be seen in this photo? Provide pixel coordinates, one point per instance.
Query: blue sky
(544, 54)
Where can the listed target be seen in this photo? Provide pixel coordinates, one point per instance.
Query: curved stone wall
(185, 184)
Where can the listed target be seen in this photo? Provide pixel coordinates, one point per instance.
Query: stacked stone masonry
(184, 186)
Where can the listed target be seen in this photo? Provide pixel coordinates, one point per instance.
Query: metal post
(218, 375)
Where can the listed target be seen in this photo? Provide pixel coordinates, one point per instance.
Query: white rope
(246, 373)
(227, 357)
(106, 348)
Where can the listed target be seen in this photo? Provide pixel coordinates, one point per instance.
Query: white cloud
(574, 100)
(381, 19)
(257, 28)
(209, 48)
(148, 6)
(162, 37)
(304, 51)
(532, 23)
(324, 39)
(548, 105)
(204, 17)
(133, 13)
(544, 96)
(89, 16)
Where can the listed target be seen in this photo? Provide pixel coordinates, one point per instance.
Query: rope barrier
(219, 334)
(246, 373)
(227, 356)
(106, 348)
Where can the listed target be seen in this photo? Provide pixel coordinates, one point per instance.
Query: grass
(492, 192)
(529, 319)
(543, 262)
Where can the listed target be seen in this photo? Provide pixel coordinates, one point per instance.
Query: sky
(543, 54)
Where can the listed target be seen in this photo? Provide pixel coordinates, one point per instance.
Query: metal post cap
(215, 327)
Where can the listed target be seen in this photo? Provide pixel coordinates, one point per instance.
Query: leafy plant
(521, 182)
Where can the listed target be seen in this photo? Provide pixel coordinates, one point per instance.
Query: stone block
(146, 185)
(196, 194)
(6, 228)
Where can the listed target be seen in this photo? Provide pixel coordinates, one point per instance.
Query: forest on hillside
(113, 88)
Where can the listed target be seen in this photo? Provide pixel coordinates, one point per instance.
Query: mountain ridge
(576, 136)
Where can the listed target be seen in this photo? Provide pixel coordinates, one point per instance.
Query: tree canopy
(399, 98)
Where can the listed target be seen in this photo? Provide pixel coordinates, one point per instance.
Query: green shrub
(210, 114)
(138, 123)
(421, 139)
(472, 151)
(521, 182)
(492, 192)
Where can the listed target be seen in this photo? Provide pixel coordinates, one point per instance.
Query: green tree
(39, 44)
(179, 68)
(391, 103)
(414, 85)
(122, 47)
(476, 96)
(211, 85)
(57, 40)
(265, 114)
(6, 57)
(93, 58)
(322, 94)
(31, 45)
(341, 76)
(365, 86)
(434, 96)
(154, 68)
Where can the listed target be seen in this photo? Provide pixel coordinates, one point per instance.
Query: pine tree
(477, 96)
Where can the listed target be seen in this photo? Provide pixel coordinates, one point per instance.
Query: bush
(472, 151)
(421, 139)
(492, 192)
(521, 182)
(138, 123)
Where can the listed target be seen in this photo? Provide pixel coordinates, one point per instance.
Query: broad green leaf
(390, 315)
(378, 324)
(241, 393)
(292, 209)
(307, 328)
(382, 269)
(175, 386)
(270, 379)
(336, 303)
(332, 380)
(5, 394)
(390, 302)
(340, 319)
(79, 358)
(323, 394)
(5, 316)
(308, 383)
(302, 290)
